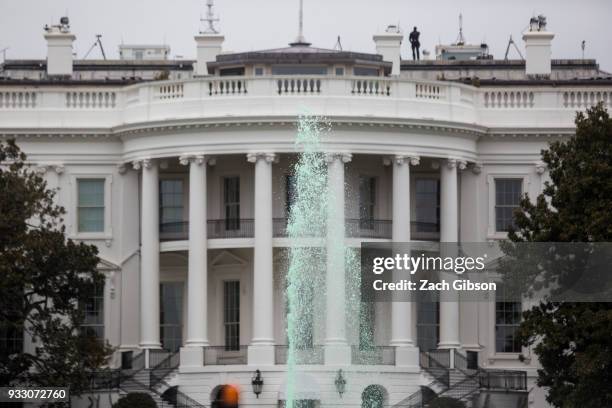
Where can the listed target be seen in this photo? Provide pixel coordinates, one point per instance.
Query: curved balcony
(130, 107)
(244, 228)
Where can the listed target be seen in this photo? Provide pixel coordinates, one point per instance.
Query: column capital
(58, 168)
(142, 164)
(122, 168)
(412, 159)
(268, 157)
(344, 157)
(477, 168)
(540, 167)
(456, 163)
(198, 159)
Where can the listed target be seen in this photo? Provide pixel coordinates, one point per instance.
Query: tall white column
(402, 335)
(261, 350)
(337, 350)
(197, 273)
(449, 232)
(149, 254)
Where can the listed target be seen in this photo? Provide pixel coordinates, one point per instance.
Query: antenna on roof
(98, 43)
(460, 38)
(210, 19)
(300, 40)
(3, 51)
(583, 46)
(338, 46)
(511, 42)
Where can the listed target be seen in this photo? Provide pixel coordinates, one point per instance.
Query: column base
(449, 345)
(261, 355)
(192, 356)
(407, 356)
(337, 354)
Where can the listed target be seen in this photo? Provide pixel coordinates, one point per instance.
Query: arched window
(373, 397)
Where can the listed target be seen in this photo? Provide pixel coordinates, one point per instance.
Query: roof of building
(435, 65)
(298, 53)
(104, 65)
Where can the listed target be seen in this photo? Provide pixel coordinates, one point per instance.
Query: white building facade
(181, 176)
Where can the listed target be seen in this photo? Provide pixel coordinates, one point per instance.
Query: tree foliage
(573, 341)
(135, 400)
(45, 279)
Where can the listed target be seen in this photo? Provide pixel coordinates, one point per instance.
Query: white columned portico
(337, 350)
(402, 335)
(197, 276)
(261, 349)
(449, 233)
(149, 257)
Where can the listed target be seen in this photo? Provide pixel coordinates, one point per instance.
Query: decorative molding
(540, 168)
(142, 164)
(344, 157)
(122, 168)
(477, 168)
(198, 159)
(268, 157)
(400, 159)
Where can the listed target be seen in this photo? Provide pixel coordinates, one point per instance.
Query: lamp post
(340, 383)
(257, 382)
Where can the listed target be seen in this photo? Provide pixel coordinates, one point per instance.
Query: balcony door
(231, 203)
(428, 321)
(171, 315)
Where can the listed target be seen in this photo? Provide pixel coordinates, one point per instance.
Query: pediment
(227, 258)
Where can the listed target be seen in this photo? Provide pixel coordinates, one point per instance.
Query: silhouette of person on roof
(416, 45)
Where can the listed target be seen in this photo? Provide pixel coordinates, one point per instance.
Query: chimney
(59, 48)
(538, 44)
(209, 45)
(389, 46)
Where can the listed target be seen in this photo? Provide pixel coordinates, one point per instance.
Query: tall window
(428, 320)
(290, 193)
(507, 321)
(171, 315)
(367, 201)
(171, 205)
(231, 314)
(90, 210)
(507, 197)
(11, 332)
(231, 199)
(93, 325)
(427, 197)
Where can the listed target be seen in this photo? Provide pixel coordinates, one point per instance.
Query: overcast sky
(251, 24)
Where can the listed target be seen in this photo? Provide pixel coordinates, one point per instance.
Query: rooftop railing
(113, 106)
(244, 228)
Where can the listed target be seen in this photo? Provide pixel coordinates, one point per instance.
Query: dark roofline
(600, 81)
(321, 56)
(436, 65)
(70, 82)
(104, 65)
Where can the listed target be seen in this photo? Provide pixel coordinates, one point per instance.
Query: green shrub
(446, 402)
(135, 400)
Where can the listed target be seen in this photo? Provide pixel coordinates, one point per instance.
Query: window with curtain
(171, 205)
(427, 204)
(367, 201)
(171, 315)
(231, 199)
(231, 314)
(290, 193)
(507, 322)
(93, 324)
(90, 207)
(507, 198)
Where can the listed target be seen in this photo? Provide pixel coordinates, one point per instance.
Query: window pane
(507, 321)
(231, 195)
(171, 315)
(367, 201)
(427, 196)
(90, 206)
(231, 314)
(507, 198)
(93, 307)
(298, 70)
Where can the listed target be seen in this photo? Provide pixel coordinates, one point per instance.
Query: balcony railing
(158, 101)
(357, 228)
(503, 380)
(244, 228)
(221, 355)
(227, 228)
(312, 355)
(379, 355)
